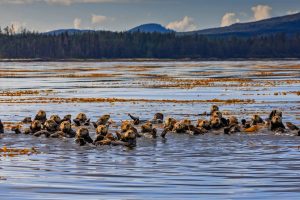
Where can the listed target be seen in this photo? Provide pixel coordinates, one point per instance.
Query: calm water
(260, 166)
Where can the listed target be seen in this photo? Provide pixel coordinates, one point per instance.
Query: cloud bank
(261, 12)
(186, 24)
(229, 19)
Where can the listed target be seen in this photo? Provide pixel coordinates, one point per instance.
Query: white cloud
(77, 23)
(98, 19)
(186, 24)
(229, 19)
(291, 12)
(261, 12)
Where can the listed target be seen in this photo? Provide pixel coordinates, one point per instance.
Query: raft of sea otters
(55, 127)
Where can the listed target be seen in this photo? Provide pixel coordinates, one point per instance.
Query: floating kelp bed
(13, 152)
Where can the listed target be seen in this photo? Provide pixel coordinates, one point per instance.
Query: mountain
(151, 28)
(69, 31)
(288, 24)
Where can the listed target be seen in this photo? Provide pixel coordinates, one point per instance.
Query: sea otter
(103, 120)
(41, 116)
(56, 118)
(65, 130)
(1, 127)
(182, 126)
(213, 109)
(51, 126)
(81, 120)
(218, 114)
(158, 118)
(168, 126)
(101, 132)
(275, 113)
(276, 124)
(127, 139)
(203, 124)
(82, 136)
(216, 123)
(34, 127)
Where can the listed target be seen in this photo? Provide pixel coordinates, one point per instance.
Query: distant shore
(147, 60)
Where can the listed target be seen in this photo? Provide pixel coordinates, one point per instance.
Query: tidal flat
(210, 166)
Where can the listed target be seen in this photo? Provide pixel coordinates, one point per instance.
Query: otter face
(36, 126)
(102, 130)
(81, 117)
(276, 119)
(203, 123)
(146, 128)
(82, 132)
(214, 108)
(125, 126)
(215, 122)
(130, 135)
(65, 126)
(51, 125)
(56, 118)
(233, 120)
(216, 114)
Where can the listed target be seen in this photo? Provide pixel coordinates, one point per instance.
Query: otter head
(65, 126)
(67, 118)
(41, 115)
(214, 108)
(56, 118)
(102, 130)
(158, 116)
(104, 119)
(130, 134)
(125, 126)
(81, 117)
(202, 123)
(51, 125)
(36, 125)
(216, 114)
(276, 119)
(215, 122)
(275, 113)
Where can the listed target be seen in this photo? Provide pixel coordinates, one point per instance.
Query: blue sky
(120, 15)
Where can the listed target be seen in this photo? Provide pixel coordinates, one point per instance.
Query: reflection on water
(182, 167)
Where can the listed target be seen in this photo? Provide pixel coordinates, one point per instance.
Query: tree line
(104, 44)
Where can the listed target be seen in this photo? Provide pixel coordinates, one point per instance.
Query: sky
(122, 15)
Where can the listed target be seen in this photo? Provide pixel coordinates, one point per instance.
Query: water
(260, 166)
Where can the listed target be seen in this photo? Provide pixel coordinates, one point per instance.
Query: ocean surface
(261, 165)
